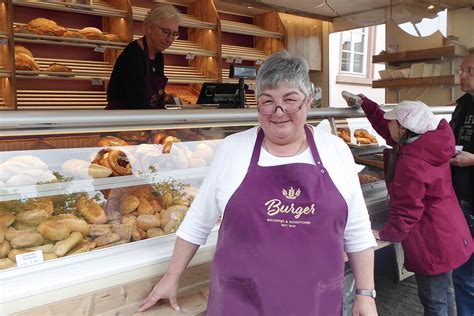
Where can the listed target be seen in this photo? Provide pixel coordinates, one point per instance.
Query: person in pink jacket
(424, 213)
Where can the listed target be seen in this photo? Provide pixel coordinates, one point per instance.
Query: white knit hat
(414, 115)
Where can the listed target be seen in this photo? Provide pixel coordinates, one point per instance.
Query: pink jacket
(424, 214)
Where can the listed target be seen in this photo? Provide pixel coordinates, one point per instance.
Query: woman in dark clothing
(138, 80)
(424, 213)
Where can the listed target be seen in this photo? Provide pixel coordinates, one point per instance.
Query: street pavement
(397, 299)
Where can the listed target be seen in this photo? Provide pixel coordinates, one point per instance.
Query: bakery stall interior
(90, 201)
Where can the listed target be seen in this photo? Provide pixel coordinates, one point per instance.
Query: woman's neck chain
(299, 150)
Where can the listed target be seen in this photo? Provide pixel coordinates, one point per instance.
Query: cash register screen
(224, 94)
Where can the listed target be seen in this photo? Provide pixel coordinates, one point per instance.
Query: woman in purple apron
(138, 80)
(285, 222)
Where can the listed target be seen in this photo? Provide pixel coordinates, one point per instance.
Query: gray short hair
(281, 68)
(161, 11)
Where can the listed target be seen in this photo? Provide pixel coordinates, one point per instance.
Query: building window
(354, 52)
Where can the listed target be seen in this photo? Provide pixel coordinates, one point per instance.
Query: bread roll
(75, 224)
(6, 263)
(23, 50)
(20, 163)
(91, 211)
(32, 217)
(154, 232)
(144, 207)
(93, 33)
(147, 221)
(73, 34)
(6, 219)
(77, 168)
(128, 204)
(106, 239)
(97, 230)
(98, 171)
(113, 38)
(42, 22)
(25, 29)
(49, 30)
(54, 67)
(27, 240)
(5, 248)
(3, 231)
(25, 62)
(54, 229)
(81, 247)
(195, 162)
(123, 230)
(49, 255)
(205, 152)
(63, 246)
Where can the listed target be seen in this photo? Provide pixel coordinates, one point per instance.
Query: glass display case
(94, 199)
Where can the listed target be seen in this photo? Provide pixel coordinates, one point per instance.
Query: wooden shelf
(55, 40)
(420, 55)
(181, 74)
(181, 47)
(187, 20)
(244, 53)
(4, 73)
(250, 100)
(247, 29)
(81, 70)
(49, 99)
(414, 82)
(100, 8)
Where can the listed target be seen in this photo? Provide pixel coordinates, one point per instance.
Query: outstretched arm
(168, 286)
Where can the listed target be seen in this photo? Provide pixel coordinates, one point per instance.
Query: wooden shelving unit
(247, 29)
(180, 74)
(100, 8)
(50, 99)
(187, 20)
(414, 82)
(182, 47)
(81, 70)
(7, 75)
(67, 41)
(407, 57)
(244, 53)
(420, 55)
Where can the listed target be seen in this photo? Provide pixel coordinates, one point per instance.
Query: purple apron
(155, 83)
(280, 246)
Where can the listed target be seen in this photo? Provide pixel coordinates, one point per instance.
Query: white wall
(335, 88)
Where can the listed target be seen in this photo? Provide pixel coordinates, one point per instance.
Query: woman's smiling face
(280, 127)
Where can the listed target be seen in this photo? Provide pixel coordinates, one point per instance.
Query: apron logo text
(275, 207)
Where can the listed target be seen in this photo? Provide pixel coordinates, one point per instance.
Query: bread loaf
(32, 217)
(22, 49)
(27, 240)
(5, 248)
(73, 34)
(91, 211)
(106, 239)
(54, 229)
(109, 141)
(147, 221)
(93, 33)
(6, 219)
(25, 62)
(128, 204)
(6, 263)
(55, 67)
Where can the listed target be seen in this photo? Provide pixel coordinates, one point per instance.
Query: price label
(238, 60)
(97, 81)
(190, 56)
(229, 60)
(29, 258)
(99, 49)
(3, 41)
(259, 62)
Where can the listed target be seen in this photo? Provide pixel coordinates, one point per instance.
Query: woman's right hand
(166, 288)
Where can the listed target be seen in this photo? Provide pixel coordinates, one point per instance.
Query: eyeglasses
(167, 32)
(467, 70)
(287, 106)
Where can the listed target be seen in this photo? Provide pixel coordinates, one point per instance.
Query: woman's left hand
(376, 234)
(364, 306)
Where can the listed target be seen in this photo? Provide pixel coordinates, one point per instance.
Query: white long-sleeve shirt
(229, 167)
